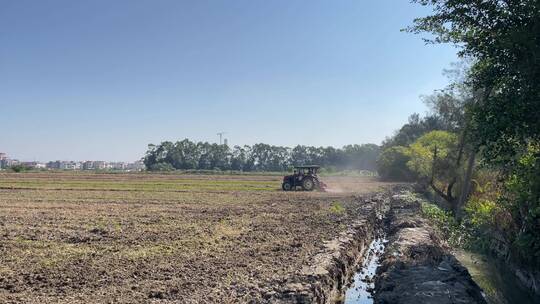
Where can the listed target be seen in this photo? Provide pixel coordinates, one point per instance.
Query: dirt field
(137, 238)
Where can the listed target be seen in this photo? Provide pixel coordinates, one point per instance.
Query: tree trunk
(466, 185)
(446, 196)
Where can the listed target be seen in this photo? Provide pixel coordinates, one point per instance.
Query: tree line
(189, 155)
(478, 149)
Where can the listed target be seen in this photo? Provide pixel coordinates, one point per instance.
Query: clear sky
(102, 79)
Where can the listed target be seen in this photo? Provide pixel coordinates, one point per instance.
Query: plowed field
(141, 238)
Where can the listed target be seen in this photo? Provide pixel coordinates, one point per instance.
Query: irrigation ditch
(389, 255)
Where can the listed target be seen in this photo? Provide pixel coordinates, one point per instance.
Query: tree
(392, 164)
(502, 37)
(239, 159)
(361, 157)
(161, 167)
(433, 158)
(522, 200)
(189, 154)
(413, 129)
(299, 156)
(185, 155)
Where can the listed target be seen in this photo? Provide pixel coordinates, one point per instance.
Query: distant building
(53, 165)
(88, 165)
(100, 165)
(69, 165)
(135, 166)
(6, 162)
(40, 166)
(3, 160)
(63, 165)
(117, 166)
(34, 165)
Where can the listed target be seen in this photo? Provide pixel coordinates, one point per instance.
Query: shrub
(19, 168)
(480, 212)
(521, 197)
(161, 167)
(455, 233)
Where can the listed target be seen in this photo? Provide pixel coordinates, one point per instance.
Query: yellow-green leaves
(433, 147)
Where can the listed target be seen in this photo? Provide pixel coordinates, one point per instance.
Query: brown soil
(226, 244)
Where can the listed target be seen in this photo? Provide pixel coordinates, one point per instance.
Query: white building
(136, 166)
(69, 165)
(117, 166)
(99, 165)
(34, 165)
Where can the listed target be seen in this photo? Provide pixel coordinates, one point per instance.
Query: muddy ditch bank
(325, 278)
(417, 266)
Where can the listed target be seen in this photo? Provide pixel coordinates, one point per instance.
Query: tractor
(304, 177)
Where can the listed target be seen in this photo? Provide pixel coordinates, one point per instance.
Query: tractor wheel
(308, 184)
(286, 186)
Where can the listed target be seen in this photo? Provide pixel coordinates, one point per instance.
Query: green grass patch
(337, 208)
(454, 232)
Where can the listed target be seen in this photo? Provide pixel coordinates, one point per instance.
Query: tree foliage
(447, 116)
(432, 155)
(185, 155)
(392, 164)
(502, 38)
(434, 159)
(413, 129)
(522, 198)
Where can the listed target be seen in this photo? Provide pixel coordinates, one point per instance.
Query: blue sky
(102, 79)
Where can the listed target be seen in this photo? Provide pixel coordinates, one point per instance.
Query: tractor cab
(304, 177)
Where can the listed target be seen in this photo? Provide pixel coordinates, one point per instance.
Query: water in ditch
(498, 283)
(360, 292)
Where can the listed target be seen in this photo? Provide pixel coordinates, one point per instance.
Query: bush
(483, 218)
(161, 167)
(19, 168)
(455, 233)
(521, 197)
(480, 213)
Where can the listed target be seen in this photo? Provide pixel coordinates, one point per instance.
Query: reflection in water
(362, 286)
(499, 284)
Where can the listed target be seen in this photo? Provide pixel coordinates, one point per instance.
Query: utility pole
(220, 134)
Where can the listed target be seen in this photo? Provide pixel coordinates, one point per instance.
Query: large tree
(433, 157)
(503, 38)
